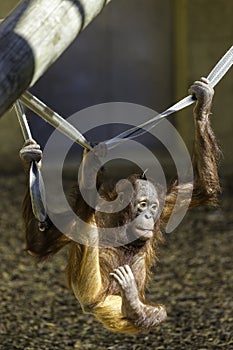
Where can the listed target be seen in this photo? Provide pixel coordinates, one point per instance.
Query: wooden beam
(33, 36)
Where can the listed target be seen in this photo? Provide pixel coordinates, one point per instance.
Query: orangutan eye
(142, 205)
(154, 206)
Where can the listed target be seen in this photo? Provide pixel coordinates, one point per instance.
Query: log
(33, 36)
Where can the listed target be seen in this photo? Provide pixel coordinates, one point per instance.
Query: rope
(23, 121)
(53, 118)
(214, 77)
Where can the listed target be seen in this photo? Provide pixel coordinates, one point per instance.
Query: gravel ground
(194, 279)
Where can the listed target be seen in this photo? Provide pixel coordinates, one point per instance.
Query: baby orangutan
(110, 282)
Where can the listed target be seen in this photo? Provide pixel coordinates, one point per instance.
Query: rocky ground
(194, 279)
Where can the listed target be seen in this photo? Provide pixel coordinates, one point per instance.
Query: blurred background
(143, 52)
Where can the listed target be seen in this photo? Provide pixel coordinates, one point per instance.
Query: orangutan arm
(49, 240)
(206, 188)
(140, 315)
(126, 313)
(83, 270)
